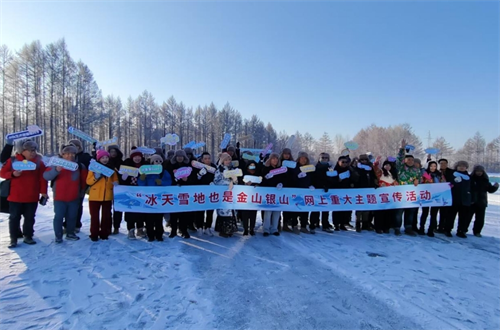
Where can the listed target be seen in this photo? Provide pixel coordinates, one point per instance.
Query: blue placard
(32, 131)
(99, 168)
(225, 141)
(345, 175)
(24, 165)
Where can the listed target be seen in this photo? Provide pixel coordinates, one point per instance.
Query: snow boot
(131, 234)
(397, 232)
(461, 234)
(140, 233)
(29, 240)
(410, 232)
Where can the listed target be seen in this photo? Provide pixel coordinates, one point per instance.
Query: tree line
(45, 86)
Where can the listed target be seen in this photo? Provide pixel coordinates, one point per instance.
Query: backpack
(4, 193)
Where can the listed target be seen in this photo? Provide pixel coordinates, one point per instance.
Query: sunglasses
(343, 162)
(325, 157)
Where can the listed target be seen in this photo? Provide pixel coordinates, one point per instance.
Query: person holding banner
(345, 179)
(480, 187)
(68, 187)
(154, 221)
(462, 199)
(429, 176)
(271, 218)
(5, 185)
(83, 158)
(25, 190)
(387, 177)
(249, 217)
(288, 217)
(322, 181)
(115, 161)
(444, 211)
(205, 178)
(302, 180)
(225, 217)
(100, 197)
(407, 174)
(366, 179)
(179, 219)
(134, 220)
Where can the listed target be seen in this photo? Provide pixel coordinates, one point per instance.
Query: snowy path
(326, 281)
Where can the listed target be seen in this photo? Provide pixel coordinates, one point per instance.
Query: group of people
(26, 189)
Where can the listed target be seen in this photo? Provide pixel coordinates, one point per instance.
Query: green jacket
(406, 174)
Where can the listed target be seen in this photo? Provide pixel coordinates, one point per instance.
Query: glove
(97, 176)
(458, 179)
(158, 182)
(143, 177)
(302, 175)
(124, 176)
(279, 186)
(269, 176)
(202, 172)
(115, 183)
(311, 187)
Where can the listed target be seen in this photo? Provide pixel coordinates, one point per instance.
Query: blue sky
(324, 66)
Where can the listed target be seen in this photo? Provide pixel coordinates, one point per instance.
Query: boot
(296, 231)
(461, 234)
(287, 229)
(410, 232)
(140, 233)
(337, 228)
(131, 234)
(29, 240)
(477, 235)
(448, 234)
(397, 232)
(304, 230)
(116, 231)
(13, 244)
(328, 230)
(430, 233)
(358, 227)
(245, 233)
(343, 228)
(252, 233)
(421, 231)
(378, 231)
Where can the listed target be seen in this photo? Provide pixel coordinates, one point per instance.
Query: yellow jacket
(101, 190)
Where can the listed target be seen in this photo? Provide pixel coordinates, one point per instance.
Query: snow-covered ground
(343, 280)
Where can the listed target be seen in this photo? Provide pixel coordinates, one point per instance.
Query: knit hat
(69, 149)
(77, 143)
(179, 153)
(134, 152)
(222, 157)
(26, 145)
(154, 158)
(113, 146)
(302, 154)
(271, 156)
(101, 153)
(342, 158)
(418, 161)
(461, 163)
(479, 168)
(231, 148)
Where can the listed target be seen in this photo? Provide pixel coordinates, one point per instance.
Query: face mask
(251, 167)
(324, 162)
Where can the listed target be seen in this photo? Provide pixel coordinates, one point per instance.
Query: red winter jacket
(27, 187)
(67, 185)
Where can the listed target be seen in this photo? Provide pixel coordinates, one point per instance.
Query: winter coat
(67, 185)
(154, 180)
(173, 166)
(320, 179)
(115, 162)
(101, 190)
(461, 191)
(448, 175)
(480, 187)
(366, 179)
(406, 175)
(6, 153)
(220, 180)
(275, 180)
(84, 158)
(206, 179)
(304, 182)
(27, 187)
(345, 183)
(384, 180)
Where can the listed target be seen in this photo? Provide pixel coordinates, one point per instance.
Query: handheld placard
(266, 149)
(235, 163)
(81, 135)
(463, 176)
(345, 175)
(24, 165)
(170, 139)
(66, 164)
(253, 151)
(251, 157)
(233, 173)
(198, 145)
(31, 132)
(99, 168)
(199, 165)
(189, 145)
(106, 143)
(432, 151)
(391, 159)
(146, 150)
(331, 174)
(351, 145)
(129, 170)
(252, 179)
(279, 170)
(150, 169)
(308, 168)
(345, 152)
(409, 147)
(225, 141)
(290, 163)
(183, 172)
